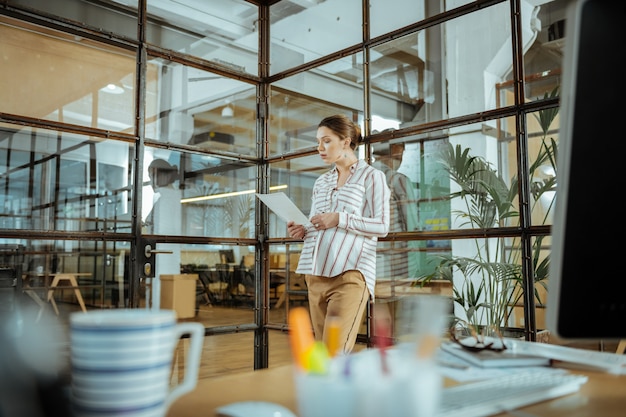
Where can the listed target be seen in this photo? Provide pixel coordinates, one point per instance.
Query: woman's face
(329, 145)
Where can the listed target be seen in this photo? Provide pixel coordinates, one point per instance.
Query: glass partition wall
(134, 136)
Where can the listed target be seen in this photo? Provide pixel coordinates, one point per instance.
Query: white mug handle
(192, 362)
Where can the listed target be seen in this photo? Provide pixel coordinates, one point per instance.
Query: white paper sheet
(282, 205)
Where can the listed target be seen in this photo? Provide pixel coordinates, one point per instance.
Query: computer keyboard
(496, 395)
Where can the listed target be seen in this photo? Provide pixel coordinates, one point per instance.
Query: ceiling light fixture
(228, 111)
(112, 88)
(231, 194)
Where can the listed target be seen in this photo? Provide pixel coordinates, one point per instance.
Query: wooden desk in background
(71, 277)
(604, 395)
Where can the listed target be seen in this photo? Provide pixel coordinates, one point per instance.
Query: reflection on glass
(298, 175)
(201, 109)
(475, 166)
(420, 197)
(389, 15)
(299, 102)
(75, 87)
(166, 210)
(543, 57)
(304, 31)
(540, 252)
(224, 32)
(215, 196)
(119, 20)
(295, 122)
(100, 268)
(287, 289)
(226, 274)
(471, 74)
(543, 136)
(404, 80)
(412, 84)
(394, 259)
(57, 183)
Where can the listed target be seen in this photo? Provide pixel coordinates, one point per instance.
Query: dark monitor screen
(587, 284)
(227, 256)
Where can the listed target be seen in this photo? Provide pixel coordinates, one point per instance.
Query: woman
(349, 211)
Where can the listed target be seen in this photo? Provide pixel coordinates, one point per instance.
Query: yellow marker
(317, 359)
(300, 336)
(332, 336)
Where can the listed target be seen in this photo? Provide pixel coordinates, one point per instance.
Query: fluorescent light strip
(231, 194)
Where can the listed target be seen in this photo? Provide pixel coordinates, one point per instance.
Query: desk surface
(604, 395)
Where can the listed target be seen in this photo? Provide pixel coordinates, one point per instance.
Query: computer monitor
(587, 284)
(227, 256)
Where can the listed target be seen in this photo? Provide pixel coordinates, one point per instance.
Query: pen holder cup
(407, 387)
(325, 396)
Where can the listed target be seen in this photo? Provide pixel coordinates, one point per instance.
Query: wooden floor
(228, 354)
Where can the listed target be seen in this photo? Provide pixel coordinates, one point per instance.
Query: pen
(346, 366)
(300, 335)
(332, 336)
(382, 340)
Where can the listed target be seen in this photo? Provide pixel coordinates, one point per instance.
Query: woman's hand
(296, 231)
(323, 221)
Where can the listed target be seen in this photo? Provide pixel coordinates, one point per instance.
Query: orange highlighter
(308, 354)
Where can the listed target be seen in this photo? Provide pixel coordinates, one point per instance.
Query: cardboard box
(178, 293)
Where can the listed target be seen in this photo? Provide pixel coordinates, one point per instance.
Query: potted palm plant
(487, 283)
